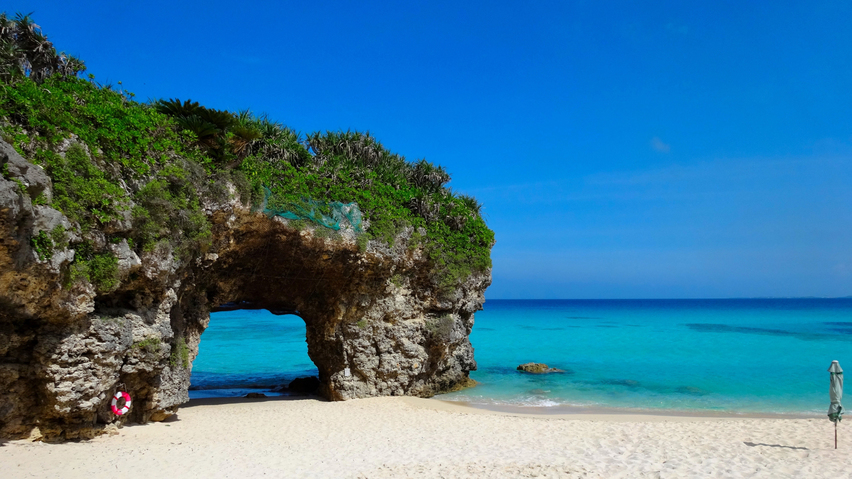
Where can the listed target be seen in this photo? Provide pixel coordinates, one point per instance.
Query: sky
(621, 149)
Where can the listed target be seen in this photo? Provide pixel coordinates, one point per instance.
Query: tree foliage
(26, 52)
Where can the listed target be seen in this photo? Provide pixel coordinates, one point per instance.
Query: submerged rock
(538, 368)
(255, 395)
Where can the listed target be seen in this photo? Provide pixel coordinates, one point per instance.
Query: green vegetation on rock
(99, 268)
(84, 192)
(151, 345)
(43, 245)
(180, 353)
(112, 159)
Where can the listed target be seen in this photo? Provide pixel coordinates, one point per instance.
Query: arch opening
(248, 350)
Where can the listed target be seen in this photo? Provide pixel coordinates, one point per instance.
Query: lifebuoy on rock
(122, 410)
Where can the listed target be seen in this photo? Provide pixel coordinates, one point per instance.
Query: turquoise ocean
(713, 356)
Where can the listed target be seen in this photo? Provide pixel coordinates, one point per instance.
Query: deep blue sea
(730, 356)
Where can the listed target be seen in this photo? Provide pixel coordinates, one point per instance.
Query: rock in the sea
(538, 368)
(255, 395)
(306, 385)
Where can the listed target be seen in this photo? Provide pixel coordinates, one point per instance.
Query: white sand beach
(408, 437)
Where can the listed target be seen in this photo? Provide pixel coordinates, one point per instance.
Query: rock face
(377, 322)
(538, 368)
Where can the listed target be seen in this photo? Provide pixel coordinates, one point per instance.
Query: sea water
(249, 351)
(728, 356)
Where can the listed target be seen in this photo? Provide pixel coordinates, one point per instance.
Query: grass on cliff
(113, 159)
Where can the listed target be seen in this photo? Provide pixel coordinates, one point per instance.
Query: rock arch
(377, 323)
(375, 313)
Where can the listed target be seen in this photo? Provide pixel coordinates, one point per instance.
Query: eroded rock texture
(65, 349)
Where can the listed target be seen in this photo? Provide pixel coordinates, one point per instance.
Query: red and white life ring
(123, 410)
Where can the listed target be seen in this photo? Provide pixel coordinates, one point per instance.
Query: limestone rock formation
(377, 321)
(538, 368)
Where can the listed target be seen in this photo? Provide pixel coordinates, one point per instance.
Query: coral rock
(538, 368)
(66, 347)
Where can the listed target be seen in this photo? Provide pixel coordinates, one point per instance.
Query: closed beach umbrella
(835, 392)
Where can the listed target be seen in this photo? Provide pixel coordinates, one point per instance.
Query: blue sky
(621, 149)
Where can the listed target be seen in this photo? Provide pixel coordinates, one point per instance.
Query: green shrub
(25, 52)
(79, 270)
(40, 200)
(101, 269)
(59, 237)
(43, 245)
(21, 187)
(127, 134)
(180, 353)
(81, 189)
(151, 345)
(103, 272)
(168, 208)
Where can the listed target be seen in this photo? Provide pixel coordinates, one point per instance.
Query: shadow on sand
(243, 400)
(755, 444)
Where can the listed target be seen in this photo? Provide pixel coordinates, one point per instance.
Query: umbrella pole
(835, 434)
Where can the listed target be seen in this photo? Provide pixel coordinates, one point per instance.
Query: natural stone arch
(375, 313)
(64, 350)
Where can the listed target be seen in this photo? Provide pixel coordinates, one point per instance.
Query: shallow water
(244, 351)
(749, 356)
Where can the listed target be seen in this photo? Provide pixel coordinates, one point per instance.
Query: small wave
(541, 403)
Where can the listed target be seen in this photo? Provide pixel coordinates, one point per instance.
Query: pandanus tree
(363, 153)
(277, 143)
(472, 204)
(243, 132)
(428, 177)
(26, 52)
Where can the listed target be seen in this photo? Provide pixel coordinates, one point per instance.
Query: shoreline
(600, 411)
(559, 411)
